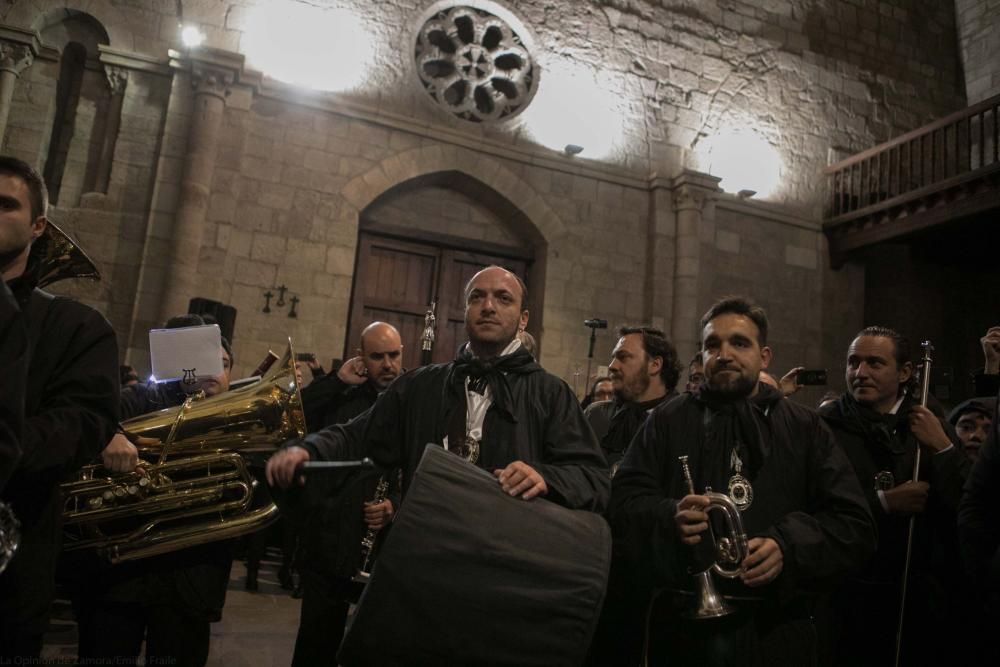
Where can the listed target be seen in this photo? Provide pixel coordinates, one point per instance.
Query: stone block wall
(980, 47)
(296, 171)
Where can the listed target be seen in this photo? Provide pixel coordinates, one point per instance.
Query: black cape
(13, 359)
(806, 498)
(866, 607)
(546, 429)
(70, 413)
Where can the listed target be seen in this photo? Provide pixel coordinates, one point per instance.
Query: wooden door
(396, 281)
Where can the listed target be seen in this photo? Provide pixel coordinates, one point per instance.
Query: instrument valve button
(95, 502)
(119, 491)
(107, 495)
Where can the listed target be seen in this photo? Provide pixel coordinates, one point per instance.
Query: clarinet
(368, 541)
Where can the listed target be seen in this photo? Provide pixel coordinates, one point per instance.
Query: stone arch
(536, 222)
(26, 14)
(421, 162)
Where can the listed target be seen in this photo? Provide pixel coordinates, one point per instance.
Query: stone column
(693, 204)
(211, 86)
(17, 52)
(117, 78)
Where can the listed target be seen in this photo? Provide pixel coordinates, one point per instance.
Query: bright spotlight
(573, 102)
(324, 48)
(743, 159)
(191, 36)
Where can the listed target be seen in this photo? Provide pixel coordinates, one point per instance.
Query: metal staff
(925, 386)
(427, 339)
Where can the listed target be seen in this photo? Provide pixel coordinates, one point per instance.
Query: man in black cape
(644, 371)
(493, 405)
(70, 407)
(803, 511)
(979, 539)
(879, 425)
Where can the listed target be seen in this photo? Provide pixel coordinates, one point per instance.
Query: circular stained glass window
(474, 65)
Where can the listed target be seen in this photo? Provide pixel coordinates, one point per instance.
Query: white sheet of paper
(176, 353)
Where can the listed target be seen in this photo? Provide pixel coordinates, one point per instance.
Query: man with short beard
(880, 424)
(644, 372)
(805, 516)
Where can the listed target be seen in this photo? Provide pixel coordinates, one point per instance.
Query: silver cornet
(731, 550)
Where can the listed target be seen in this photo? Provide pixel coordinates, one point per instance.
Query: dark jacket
(546, 430)
(616, 422)
(806, 496)
(867, 605)
(70, 413)
(979, 520)
(331, 524)
(13, 359)
(892, 447)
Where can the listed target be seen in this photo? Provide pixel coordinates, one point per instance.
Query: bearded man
(800, 502)
(644, 372)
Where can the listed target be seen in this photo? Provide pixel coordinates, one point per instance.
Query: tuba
(731, 550)
(60, 257)
(195, 485)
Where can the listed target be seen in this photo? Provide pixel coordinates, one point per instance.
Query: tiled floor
(256, 630)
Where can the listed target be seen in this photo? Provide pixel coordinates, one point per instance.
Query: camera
(596, 324)
(811, 377)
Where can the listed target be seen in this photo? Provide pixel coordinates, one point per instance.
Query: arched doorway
(420, 242)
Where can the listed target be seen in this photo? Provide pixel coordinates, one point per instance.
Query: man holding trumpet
(779, 474)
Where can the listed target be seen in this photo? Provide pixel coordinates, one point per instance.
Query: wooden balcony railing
(946, 153)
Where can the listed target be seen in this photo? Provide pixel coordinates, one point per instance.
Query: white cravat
(477, 404)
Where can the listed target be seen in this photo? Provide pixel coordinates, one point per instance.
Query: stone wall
(980, 47)
(296, 171)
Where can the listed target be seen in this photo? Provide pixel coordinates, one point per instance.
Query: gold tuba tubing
(196, 484)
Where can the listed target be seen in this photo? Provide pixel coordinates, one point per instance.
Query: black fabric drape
(472, 576)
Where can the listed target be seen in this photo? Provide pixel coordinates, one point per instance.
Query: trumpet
(731, 550)
(200, 488)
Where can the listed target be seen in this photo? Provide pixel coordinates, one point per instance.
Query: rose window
(474, 65)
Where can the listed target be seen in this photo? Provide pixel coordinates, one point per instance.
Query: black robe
(547, 431)
(70, 413)
(13, 361)
(867, 606)
(979, 538)
(806, 498)
(619, 633)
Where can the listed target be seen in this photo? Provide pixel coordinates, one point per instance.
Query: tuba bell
(195, 484)
(731, 550)
(60, 257)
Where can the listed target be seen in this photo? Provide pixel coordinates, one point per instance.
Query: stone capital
(117, 78)
(692, 189)
(208, 80)
(15, 57)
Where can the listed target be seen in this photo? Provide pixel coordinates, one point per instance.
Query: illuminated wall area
(642, 158)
